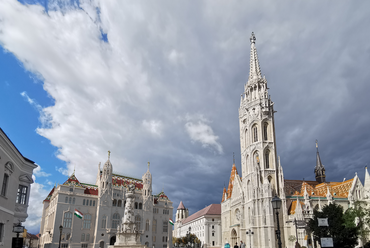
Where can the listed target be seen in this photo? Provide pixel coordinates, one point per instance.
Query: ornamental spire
(319, 169)
(254, 71)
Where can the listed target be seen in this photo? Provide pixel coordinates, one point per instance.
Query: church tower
(105, 184)
(258, 154)
(319, 169)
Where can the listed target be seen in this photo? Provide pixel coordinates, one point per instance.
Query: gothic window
(87, 221)
(88, 237)
(267, 159)
(140, 205)
(119, 204)
(93, 203)
(147, 225)
(67, 221)
(82, 237)
(66, 200)
(90, 202)
(255, 133)
(83, 202)
(136, 205)
(246, 137)
(265, 133)
(114, 202)
(104, 222)
(154, 228)
(22, 194)
(5, 184)
(138, 221)
(115, 220)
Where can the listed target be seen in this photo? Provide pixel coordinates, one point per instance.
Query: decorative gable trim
(25, 178)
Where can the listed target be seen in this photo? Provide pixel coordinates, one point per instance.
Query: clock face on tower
(237, 214)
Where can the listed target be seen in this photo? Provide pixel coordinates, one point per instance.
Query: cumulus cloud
(203, 133)
(38, 172)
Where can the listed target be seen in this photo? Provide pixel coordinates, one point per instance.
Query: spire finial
(148, 165)
(108, 155)
(233, 158)
(252, 38)
(317, 144)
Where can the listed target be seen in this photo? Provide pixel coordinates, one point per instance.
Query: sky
(160, 82)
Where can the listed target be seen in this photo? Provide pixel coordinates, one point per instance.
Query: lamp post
(250, 233)
(60, 233)
(276, 204)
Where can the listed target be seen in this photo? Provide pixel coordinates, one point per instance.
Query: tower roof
(233, 174)
(367, 178)
(181, 206)
(254, 70)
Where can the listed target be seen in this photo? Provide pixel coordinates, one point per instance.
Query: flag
(78, 214)
(171, 221)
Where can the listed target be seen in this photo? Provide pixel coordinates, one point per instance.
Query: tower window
(265, 127)
(255, 134)
(5, 185)
(267, 159)
(115, 220)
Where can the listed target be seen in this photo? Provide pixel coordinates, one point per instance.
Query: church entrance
(112, 240)
(234, 237)
(101, 245)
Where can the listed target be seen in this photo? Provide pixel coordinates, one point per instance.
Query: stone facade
(246, 202)
(16, 179)
(205, 224)
(103, 209)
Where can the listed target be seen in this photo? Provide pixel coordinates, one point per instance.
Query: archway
(101, 244)
(234, 237)
(112, 240)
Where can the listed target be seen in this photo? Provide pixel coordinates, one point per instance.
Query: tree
(192, 238)
(359, 216)
(344, 234)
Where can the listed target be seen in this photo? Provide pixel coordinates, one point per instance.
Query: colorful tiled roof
(72, 180)
(161, 196)
(47, 199)
(234, 172)
(293, 206)
(315, 189)
(223, 195)
(213, 209)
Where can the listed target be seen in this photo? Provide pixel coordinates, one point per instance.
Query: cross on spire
(108, 155)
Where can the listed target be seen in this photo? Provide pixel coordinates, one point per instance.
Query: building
(102, 206)
(16, 179)
(205, 224)
(246, 202)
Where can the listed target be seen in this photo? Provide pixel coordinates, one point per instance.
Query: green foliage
(363, 221)
(192, 238)
(343, 232)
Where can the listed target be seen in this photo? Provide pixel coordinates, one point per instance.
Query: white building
(205, 224)
(102, 206)
(246, 203)
(16, 179)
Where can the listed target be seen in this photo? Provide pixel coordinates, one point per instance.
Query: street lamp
(276, 204)
(250, 233)
(60, 233)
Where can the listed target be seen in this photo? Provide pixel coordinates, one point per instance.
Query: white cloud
(38, 172)
(203, 133)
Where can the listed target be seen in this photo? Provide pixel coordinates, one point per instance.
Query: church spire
(319, 169)
(254, 71)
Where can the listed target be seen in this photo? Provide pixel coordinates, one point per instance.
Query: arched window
(83, 202)
(136, 205)
(138, 221)
(67, 221)
(119, 203)
(88, 237)
(104, 222)
(83, 237)
(267, 159)
(147, 225)
(154, 228)
(114, 202)
(66, 200)
(140, 205)
(115, 220)
(265, 133)
(5, 184)
(87, 221)
(255, 133)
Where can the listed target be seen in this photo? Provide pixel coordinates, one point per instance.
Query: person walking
(236, 245)
(242, 245)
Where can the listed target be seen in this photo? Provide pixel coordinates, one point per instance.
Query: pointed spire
(254, 71)
(367, 179)
(233, 158)
(108, 155)
(319, 169)
(148, 165)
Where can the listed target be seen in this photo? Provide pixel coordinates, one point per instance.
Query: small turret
(106, 177)
(147, 184)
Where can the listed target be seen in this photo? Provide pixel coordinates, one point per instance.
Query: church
(246, 210)
(89, 214)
